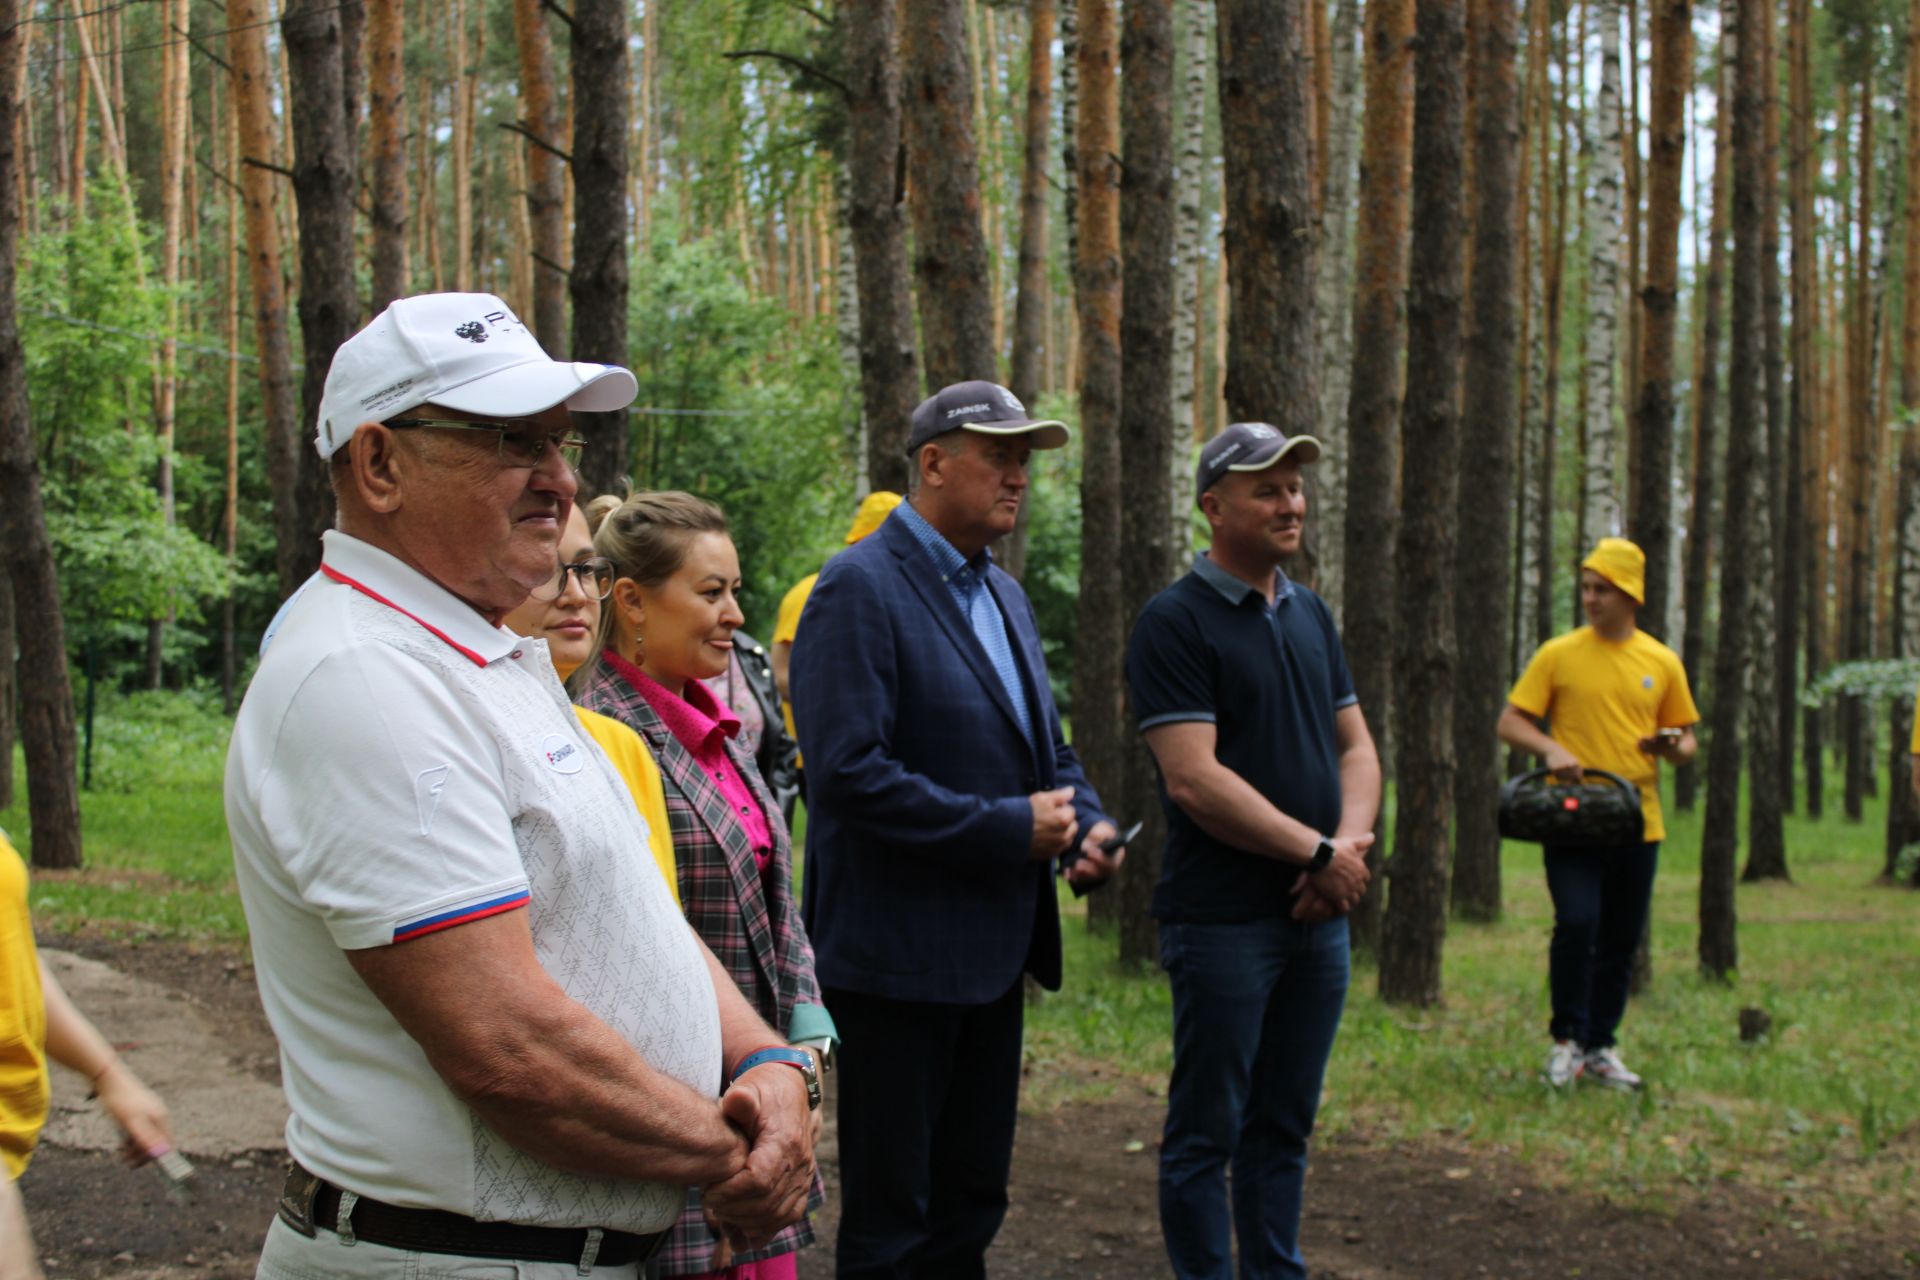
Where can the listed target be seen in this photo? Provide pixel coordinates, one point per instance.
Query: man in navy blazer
(940, 795)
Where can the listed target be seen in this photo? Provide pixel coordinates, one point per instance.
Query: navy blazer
(919, 884)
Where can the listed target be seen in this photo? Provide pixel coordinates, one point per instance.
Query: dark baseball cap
(1248, 446)
(986, 407)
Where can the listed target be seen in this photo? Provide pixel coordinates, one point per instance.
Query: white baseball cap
(461, 351)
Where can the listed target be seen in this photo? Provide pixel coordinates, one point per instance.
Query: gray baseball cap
(1248, 446)
(981, 406)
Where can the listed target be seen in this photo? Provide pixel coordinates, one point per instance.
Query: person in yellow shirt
(873, 512)
(38, 1022)
(1610, 697)
(566, 614)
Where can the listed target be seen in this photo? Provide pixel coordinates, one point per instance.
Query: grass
(1823, 1116)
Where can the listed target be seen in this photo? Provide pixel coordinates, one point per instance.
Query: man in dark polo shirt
(1271, 786)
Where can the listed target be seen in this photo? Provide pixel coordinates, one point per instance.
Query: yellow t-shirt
(1602, 697)
(642, 773)
(786, 625)
(23, 1020)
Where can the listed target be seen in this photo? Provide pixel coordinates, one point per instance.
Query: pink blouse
(702, 724)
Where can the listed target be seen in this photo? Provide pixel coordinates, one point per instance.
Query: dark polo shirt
(1270, 677)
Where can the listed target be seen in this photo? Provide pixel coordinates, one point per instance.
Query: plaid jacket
(751, 922)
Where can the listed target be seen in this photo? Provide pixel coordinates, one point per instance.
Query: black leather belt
(308, 1201)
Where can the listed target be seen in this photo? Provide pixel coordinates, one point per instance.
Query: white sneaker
(1603, 1066)
(1564, 1064)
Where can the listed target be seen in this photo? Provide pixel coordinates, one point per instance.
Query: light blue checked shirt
(967, 580)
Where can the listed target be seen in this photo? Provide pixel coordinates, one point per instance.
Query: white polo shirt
(401, 767)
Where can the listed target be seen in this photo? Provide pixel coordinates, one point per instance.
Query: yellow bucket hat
(873, 512)
(1621, 563)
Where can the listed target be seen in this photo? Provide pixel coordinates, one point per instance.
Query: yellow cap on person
(1621, 563)
(873, 512)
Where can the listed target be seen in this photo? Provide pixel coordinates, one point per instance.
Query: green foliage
(90, 393)
(1877, 680)
(771, 401)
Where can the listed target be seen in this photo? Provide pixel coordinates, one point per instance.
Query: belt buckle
(297, 1197)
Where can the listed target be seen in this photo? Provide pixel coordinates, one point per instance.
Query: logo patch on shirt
(426, 794)
(1646, 682)
(563, 756)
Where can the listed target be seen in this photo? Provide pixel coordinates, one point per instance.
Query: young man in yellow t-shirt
(1613, 698)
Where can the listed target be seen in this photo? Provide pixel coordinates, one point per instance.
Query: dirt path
(1083, 1204)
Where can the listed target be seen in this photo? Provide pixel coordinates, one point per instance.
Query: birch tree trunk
(1903, 822)
(1413, 933)
(1374, 399)
(46, 700)
(1195, 51)
(1333, 303)
(285, 446)
(599, 276)
(846, 319)
(876, 213)
(1604, 232)
(1146, 407)
(949, 248)
(387, 133)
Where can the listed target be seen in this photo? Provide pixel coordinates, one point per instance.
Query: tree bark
(1030, 308)
(889, 373)
(387, 132)
(949, 249)
(1604, 246)
(1903, 816)
(1544, 523)
(599, 277)
(46, 701)
(546, 196)
(1196, 52)
(1859, 541)
(286, 448)
(1484, 566)
(1652, 459)
(1098, 718)
(1719, 944)
(323, 48)
(1374, 396)
(1333, 303)
(1147, 562)
(1806, 428)
(1415, 925)
(9, 680)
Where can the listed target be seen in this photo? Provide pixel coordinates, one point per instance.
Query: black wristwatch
(1322, 855)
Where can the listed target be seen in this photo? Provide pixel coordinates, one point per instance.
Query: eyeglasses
(520, 442)
(594, 577)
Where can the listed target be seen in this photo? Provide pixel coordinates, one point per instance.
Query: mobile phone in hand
(1120, 839)
(1670, 737)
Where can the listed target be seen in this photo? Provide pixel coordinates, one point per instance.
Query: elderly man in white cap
(499, 1040)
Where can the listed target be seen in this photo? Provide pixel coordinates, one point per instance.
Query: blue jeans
(1600, 899)
(1255, 1009)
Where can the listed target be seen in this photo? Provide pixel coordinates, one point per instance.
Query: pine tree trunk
(230, 509)
(949, 248)
(323, 46)
(1746, 408)
(1652, 458)
(1196, 52)
(1413, 932)
(599, 277)
(175, 109)
(1806, 429)
(1029, 360)
(1483, 567)
(1333, 303)
(461, 141)
(545, 194)
(1700, 508)
(889, 374)
(1604, 247)
(1099, 729)
(387, 133)
(1146, 406)
(1374, 399)
(1859, 568)
(46, 701)
(286, 447)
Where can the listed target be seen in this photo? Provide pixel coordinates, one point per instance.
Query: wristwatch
(822, 1045)
(799, 1059)
(1322, 855)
